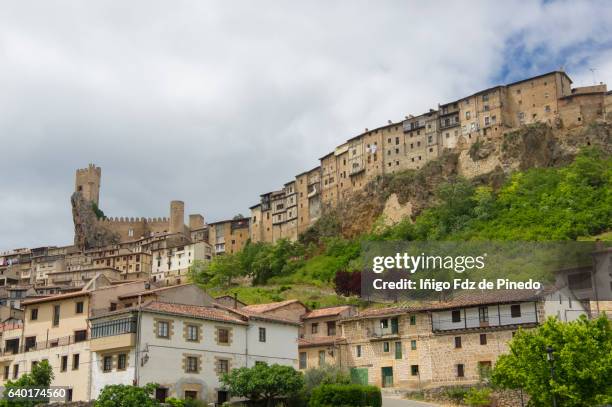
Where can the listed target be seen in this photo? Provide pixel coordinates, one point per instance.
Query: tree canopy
(582, 354)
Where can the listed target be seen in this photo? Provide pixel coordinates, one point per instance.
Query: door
(359, 375)
(161, 393)
(387, 376)
(222, 397)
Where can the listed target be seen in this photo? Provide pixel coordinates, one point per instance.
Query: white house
(170, 265)
(185, 348)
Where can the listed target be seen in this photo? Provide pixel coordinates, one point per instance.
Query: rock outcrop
(88, 232)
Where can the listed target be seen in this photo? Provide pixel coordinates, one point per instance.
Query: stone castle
(93, 229)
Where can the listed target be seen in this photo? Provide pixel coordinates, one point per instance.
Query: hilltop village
(116, 306)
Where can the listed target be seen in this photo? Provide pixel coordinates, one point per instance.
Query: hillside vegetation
(540, 204)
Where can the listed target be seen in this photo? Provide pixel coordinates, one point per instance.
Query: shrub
(345, 395)
(456, 394)
(478, 397)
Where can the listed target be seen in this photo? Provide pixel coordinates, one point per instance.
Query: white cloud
(216, 102)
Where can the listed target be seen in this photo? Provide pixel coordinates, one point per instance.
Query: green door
(359, 375)
(387, 376)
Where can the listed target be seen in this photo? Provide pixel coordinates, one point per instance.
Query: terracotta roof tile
(195, 311)
(55, 297)
(326, 312)
(263, 308)
(320, 341)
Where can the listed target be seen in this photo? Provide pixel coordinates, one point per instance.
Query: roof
(194, 311)
(326, 312)
(260, 316)
(152, 291)
(262, 308)
(320, 341)
(58, 297)
(541, 76)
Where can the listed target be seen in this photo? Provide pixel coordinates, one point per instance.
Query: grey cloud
(215, 102)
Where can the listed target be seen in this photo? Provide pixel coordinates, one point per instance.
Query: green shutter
(398, 350)
(394, 326)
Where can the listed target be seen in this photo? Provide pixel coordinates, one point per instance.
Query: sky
(217, 102)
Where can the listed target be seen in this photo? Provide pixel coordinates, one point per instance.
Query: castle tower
(87, 182)
(177, 217)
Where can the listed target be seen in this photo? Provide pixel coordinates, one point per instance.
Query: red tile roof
(263, 308)
(326, 312)
(57, 297)
(195, 311)
(320, 341)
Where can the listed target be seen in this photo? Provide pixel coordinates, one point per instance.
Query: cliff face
(88, 232)
(484, 162)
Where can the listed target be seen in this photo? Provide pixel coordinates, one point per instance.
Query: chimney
(390, 121)
(235, 300)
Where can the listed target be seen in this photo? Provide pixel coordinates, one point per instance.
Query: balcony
(14, 348)
(120, 333)
(382, 333)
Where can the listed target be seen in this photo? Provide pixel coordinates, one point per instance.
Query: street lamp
(551, 360)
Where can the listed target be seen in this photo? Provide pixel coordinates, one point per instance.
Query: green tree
(582, 352)
(120, 395)
(264, 383)
(40, 377)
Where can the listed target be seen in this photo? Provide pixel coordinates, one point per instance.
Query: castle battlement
(90, 168)
(128, 220)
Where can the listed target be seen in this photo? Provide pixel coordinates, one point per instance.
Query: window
(223, 366)
(483, 314)
(192, 333)
(80, 336)
(56, 315)
(412, 319)
(223, 335)
(6, 372)
(460, 370)
(413, 344)
(33, 314)
(314, 328)
(192, 364)
(64, 364)
(163, 329)
(303, 360)
(30, 343)
(331, 328)
(358, 351)
(414, 370)
(191, 395)
(457, 341)
(321, 357)
(467, 115)
(75, 361)
(483, 339)
(456, 315)
(515, 311)
(398, 350)
(15, 371)
(107, 363)
(121, 361)
(262, 334)
(385, 346)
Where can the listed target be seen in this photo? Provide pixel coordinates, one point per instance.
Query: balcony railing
(113, 328)
(379, 332)
(39, 345)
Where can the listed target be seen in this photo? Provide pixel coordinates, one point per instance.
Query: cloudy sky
(215, 102)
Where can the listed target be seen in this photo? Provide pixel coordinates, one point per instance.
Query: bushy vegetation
(478, 397)
(120, 395)
(582, 357)
(41, 376)
(541, 204)
(356, 395)
(263, 384)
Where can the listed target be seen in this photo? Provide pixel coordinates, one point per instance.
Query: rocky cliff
(88, 232)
